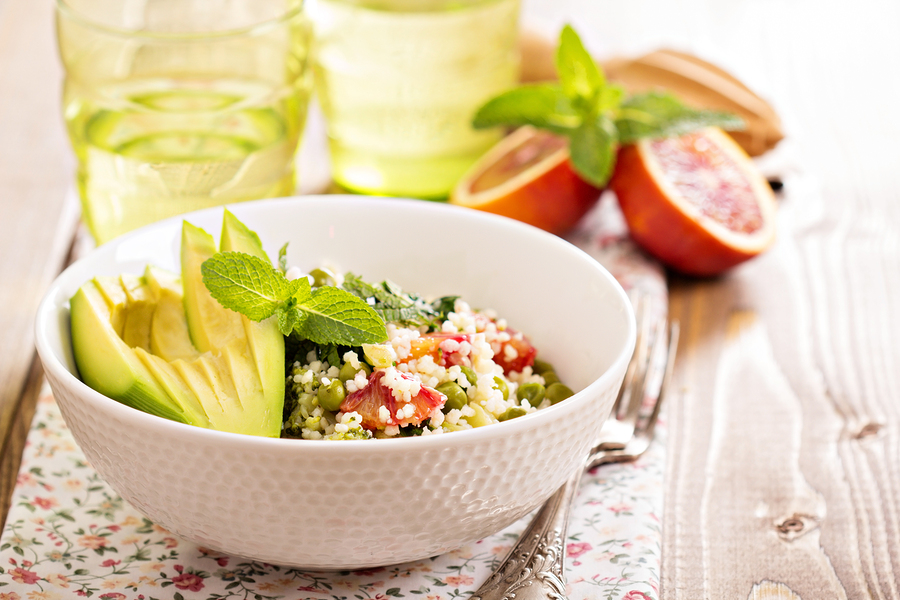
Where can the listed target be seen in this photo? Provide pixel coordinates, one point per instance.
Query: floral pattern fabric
(69, 535)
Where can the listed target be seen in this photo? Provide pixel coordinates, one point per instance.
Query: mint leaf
(331, 355)
(592, 150)
(289, 319)
(610, 98)
(380, 294)
(391, 303)
(246, 284)
(335, 316)
(542, 105)
(444, 306)
(282, 258)
(581, 79)
(290, 316)
(662, 114)
(302, 290)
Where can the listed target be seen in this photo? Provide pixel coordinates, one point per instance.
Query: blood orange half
(527, 176)
(696, 202)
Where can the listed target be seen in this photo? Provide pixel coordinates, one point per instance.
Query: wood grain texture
(785, 458)
(20, 425)
(35, 170)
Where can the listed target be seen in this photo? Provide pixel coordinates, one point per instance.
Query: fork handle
(533, 569)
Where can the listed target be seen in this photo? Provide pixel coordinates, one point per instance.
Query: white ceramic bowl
(357, 504)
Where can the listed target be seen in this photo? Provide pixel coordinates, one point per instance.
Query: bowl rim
(48, 314)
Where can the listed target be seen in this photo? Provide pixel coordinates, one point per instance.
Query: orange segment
(706, 176)
(539, 147)
(527, 176)
(696, 202)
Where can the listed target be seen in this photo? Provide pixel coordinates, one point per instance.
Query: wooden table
(784, 445)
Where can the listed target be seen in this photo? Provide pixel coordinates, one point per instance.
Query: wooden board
(36, 223)
(784, 479)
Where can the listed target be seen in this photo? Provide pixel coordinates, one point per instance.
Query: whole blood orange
(696, 202)
(527, 176)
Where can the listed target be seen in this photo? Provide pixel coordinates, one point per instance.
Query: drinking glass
(399, 82)
(176, 105)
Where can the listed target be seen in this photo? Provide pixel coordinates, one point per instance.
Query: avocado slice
(169, 379)
(211, 325)
(114, 294)
(169, 337)
(264, 338)
(237, 237)
(141, 305)
(106, 363)
(208, 379)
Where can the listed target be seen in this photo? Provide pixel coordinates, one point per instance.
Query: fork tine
(643, 434)
(671, 351)
(637, 300)
(644, 357)
(619, 427)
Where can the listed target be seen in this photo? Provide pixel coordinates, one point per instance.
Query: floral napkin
(69, 535)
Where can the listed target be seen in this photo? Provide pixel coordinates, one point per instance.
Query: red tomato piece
(523, 356)
(369, 400)
(430, 343)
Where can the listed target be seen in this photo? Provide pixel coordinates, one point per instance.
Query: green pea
(322, 277)
(500, 384)
(456, 396)
(557, 392)
(470, 375)
(540, 367)
(550, 377)
(532, 392)
(348, 372)
(512, 413)
(330, 396)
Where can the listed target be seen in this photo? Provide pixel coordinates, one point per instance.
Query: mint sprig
(326, 315)
(594, 114)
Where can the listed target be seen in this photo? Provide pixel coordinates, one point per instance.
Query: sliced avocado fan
(163, 345)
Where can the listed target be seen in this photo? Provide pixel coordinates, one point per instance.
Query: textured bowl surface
(357, 504)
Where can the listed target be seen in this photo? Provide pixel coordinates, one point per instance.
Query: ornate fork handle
(533, 569)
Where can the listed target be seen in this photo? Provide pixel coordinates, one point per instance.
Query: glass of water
(176, 105)
(399, 82)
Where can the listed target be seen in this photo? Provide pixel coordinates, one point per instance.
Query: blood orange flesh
(527, 176)
(519, 159)
(696, 202)
(369, 400)
(709, 179)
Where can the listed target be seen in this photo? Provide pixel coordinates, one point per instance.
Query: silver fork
(534, 568)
